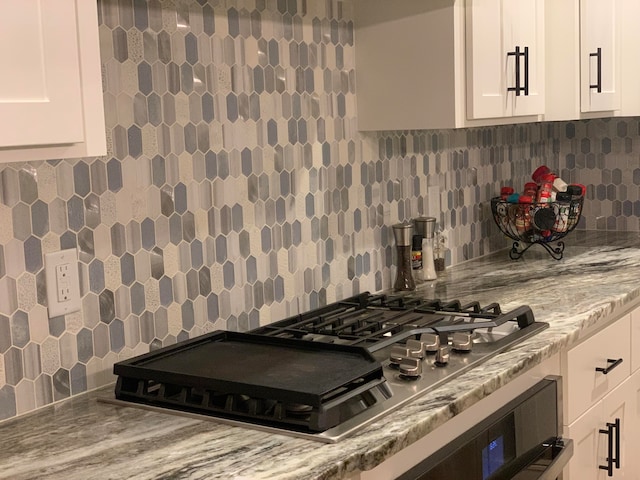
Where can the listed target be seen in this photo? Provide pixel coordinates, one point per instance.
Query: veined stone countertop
(82, 438)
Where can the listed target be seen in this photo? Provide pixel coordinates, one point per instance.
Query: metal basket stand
(543, 224)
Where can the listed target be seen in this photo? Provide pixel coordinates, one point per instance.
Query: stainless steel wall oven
(522, 441)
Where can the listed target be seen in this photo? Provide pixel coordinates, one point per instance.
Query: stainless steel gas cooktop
(327, 373)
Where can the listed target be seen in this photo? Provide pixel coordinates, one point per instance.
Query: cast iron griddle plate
(255, 365)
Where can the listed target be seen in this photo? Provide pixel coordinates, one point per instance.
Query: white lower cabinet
(635, 340)
(591, 433)
(602, 408)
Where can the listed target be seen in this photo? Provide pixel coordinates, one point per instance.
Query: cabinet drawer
(635, 339)
(586, 385)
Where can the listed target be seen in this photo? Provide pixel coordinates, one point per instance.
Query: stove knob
(411, 367)
(462, 341)
(442, 356)
(431, 342)
(416, 348)
(398, 353)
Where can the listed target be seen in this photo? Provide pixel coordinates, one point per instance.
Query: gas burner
(326, 373)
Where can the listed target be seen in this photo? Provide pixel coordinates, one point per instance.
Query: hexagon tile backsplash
(237, 189)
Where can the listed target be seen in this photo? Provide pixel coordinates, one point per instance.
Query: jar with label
(416, 258)
(575, 191)
(523, 214)
(563, 204)
(545, 190)
(531, 189)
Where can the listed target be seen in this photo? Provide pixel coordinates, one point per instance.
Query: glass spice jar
(546, 188)
(523, 214)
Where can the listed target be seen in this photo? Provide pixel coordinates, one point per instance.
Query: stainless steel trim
(559, 392)
(565, 456)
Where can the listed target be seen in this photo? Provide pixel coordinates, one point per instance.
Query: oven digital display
(492, 457)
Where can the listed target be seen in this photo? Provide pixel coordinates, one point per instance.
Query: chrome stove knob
(411, 367)
(416, 348)
(398, 353)
(462, 341)
(431, 342)
(442, 356)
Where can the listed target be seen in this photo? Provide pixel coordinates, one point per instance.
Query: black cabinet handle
(613, 434)
(613, 364)
(526, 71)
(598, 55)
(519, 88)
(617, 426)
(516, 54)
(609, 433)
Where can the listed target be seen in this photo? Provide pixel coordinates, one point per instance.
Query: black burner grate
(375, 321)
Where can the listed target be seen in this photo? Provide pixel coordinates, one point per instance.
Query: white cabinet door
(599, 55)
(504, 58)
(608, 349)
(587, 442)
(590, 434)
(40, 95)
(631, 453)
(51, 103)
(486, 60)
(618, 410)
(635, 339)
(524, 25)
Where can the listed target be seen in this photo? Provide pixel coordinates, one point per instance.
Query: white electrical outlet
(63, 287)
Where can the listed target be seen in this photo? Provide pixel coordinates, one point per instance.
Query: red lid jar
(539, 172)
(546, 188)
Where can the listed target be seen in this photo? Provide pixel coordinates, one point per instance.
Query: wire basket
(536, 223)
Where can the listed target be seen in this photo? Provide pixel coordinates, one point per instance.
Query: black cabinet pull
(613, 434)
(517, 53)
(617, 442)
(613, 364)
(526, 71)
(609, 433)
(598, 55)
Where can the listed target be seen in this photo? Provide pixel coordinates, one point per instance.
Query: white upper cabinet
(630, 57)
(50, 89)
(448, 63)
(599, 55)
(505, 58)
(583, 58)
(40, 91)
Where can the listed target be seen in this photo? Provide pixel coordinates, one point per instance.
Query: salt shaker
(426, 226)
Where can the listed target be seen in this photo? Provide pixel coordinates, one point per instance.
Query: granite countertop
(83, 438)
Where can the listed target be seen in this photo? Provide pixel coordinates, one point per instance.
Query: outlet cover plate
(56, 263)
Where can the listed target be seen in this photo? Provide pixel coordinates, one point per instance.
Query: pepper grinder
(404, 278)
(426, 226)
